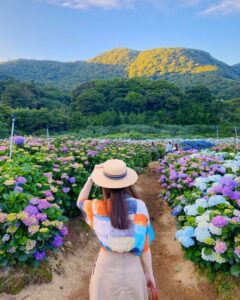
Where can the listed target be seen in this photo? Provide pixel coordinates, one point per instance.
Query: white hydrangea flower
(203, 217)
(236, 212)
(203, 224)
(211, 257)
(215, 230)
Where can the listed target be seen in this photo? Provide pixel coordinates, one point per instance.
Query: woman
(123, 228)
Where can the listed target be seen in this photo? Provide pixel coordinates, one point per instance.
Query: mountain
(236, 68)
(182, 66)
(59, 74)
(164, 61)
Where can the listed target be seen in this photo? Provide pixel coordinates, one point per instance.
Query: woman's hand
(150, 278)
(98, 166)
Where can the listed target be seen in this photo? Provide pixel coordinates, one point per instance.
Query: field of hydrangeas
(39, 188)
(203, 189)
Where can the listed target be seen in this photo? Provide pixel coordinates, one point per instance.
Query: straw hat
(114, 174)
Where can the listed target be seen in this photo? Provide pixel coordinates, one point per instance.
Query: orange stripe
(140, 219)
(146, 246)
(88, 209)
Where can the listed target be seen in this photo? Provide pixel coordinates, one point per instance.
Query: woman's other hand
(150, 278)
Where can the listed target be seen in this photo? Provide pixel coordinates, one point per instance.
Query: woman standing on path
(122, 225)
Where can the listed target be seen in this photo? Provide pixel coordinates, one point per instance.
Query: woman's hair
(118, 210)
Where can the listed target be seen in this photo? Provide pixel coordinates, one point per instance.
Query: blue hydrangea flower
(202, 233)
(187, 231)
(186, 242)
(201, 202)
(215, 200)
(191, 210)
(176, 210)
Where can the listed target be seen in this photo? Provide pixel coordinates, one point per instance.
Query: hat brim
(102, 180)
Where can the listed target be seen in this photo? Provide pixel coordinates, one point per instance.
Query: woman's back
(135, 239)
(123, 228)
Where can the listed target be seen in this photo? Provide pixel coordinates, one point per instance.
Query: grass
(17, 278)
(142, 131)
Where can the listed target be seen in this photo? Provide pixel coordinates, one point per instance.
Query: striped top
(136, 239)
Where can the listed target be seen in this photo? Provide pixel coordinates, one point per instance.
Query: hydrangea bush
(39, 188)
(206, 207)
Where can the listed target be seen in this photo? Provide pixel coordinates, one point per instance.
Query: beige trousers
(118, 276)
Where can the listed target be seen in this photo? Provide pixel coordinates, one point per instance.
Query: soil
(176, 278)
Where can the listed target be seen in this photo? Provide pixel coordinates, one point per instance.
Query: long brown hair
(118, 210)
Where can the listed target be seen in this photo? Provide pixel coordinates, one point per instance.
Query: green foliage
(141, 101)
(112, 103)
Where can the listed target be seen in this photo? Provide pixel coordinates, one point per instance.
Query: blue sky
(69, 30)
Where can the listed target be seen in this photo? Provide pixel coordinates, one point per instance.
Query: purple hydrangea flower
(65, 190)
(40, 255)
(34, 201)
(19, 140)
(57, 241)
(219, 221)
(5, 238)
(43, 204)
(92, 153)
(31, 220)
(65, 149)
(228, 181)
(12, 250)
(48, 193)
(18, 189)
(100, 147)
(72, 179)
(41, 216)
(237, 251)
(20, 180)
(64, 231)
(31, 210)
(236, 195)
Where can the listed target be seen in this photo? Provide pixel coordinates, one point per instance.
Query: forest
(110, 103)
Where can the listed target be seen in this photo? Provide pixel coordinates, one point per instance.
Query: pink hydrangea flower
(220, 247)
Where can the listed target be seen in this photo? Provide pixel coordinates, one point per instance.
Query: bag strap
(153, 291)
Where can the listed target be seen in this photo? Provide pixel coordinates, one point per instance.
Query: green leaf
(208, 251)
(235, 270)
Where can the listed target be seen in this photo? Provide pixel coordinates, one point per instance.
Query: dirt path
(175, 277)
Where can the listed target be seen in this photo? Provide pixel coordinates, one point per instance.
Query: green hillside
(62, 75)
(179, 65)
(236, 68)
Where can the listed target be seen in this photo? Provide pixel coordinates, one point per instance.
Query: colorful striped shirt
(136, 239)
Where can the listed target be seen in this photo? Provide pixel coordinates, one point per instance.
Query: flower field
(203, 189)
(39, 188)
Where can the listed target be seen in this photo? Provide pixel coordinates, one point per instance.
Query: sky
(70, 30)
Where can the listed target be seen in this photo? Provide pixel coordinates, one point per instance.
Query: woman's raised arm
(84, 194)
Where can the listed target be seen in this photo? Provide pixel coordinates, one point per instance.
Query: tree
(89, 102)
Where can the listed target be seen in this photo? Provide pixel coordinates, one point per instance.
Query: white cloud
(224, 7)
(83, 4)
